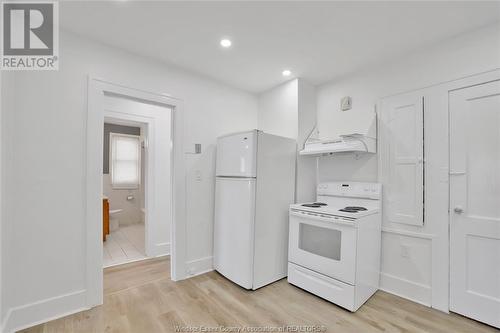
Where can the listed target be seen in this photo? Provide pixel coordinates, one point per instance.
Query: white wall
(423, 275)
(5, 227)
(44, 142)
(306, 165)
(290, 110)
(1, 210)
(278, 110)
(464, 55)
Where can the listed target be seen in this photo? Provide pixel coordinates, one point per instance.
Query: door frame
(97, 88)
(487, 79)
(436, 229)
(439, 96)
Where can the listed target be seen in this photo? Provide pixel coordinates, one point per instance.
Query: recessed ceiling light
(225, 43)
(286, 72)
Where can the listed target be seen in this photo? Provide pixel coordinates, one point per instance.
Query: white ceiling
(318, 41)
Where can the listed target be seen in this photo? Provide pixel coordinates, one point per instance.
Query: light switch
(405, 251)
(198, 176)
(193, 149)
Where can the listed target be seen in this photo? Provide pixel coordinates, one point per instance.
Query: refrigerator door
(234, 229)
(237, 155)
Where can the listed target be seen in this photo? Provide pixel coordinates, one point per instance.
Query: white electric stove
(334, 243)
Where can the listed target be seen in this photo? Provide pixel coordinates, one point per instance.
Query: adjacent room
(250, 166)
(123, 194)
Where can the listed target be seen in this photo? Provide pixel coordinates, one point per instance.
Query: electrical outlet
(405, 251)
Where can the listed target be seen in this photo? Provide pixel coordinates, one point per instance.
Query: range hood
(353, 143)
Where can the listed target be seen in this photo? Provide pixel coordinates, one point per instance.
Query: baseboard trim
(160, 250)
(25, 316)
(199, 266)
(416, 292)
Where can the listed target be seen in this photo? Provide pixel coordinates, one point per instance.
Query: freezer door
(237, 155)
(234, 229)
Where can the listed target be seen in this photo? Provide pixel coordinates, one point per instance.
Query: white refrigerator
(255, 184)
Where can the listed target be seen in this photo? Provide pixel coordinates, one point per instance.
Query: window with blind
(125, 161)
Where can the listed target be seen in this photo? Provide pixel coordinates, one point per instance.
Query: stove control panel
(351, 189)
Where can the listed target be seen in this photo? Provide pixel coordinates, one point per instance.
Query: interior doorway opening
(124, 189)
(137, 148)
(160, 122)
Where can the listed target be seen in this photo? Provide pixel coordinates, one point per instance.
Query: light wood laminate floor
(140, 297)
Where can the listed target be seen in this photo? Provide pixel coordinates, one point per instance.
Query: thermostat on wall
(346, 103)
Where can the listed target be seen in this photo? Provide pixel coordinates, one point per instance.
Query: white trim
(22, 317)
(95, 124)
(453, 82)
(416, 292)
(441, 243)
(436, 99)
(119, 263)
(200, 266)
(135, 260)
(407, 233)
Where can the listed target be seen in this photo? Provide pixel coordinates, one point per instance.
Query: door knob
(458, 210)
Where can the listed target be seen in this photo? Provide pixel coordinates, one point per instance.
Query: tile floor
(124, 245)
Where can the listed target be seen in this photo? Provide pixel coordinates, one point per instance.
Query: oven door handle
(313, 216)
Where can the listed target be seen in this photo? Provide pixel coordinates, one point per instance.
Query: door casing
(437, 217)
(474, 224)
(97, 88)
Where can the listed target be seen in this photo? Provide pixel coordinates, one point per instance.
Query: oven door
(323, 244)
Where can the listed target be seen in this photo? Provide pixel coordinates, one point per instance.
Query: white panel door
(234, 229)
(237, 155)
(403, 126)
(475, 202)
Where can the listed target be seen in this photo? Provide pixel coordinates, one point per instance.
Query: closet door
(402, 158)
(474, 202)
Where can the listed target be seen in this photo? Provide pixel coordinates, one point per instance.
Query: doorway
(475, 202)
(124, 191)
(159, 119)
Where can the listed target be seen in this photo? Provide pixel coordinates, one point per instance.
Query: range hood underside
(349, 143)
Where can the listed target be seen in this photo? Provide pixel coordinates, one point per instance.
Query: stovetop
(351, 211)
(314, 204)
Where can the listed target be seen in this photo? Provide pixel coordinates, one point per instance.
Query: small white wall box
(196, 149)
(346, 103)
